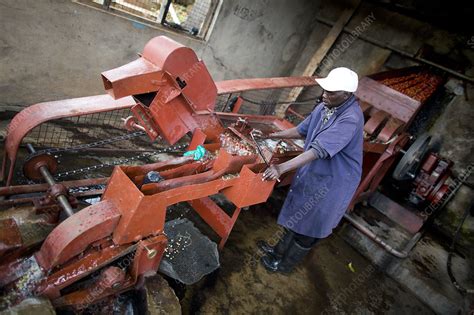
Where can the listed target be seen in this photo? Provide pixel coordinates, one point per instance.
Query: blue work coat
(323, 188)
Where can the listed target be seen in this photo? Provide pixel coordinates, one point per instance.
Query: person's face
(335, 98)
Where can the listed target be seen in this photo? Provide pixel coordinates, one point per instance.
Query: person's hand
(274, 135)
(273, 172)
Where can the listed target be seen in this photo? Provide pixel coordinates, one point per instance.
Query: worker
(328, 172)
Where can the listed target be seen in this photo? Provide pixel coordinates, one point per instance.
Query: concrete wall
(395, 30)
(56, 49)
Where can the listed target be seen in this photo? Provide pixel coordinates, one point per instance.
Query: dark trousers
(303, 240)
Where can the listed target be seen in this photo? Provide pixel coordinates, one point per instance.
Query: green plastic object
(197, 154)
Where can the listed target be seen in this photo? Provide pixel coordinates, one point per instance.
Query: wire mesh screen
(223, 102)
(264, 102)
(188, 15)
(99, 140)
(73, 131)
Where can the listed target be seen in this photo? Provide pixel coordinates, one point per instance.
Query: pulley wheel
(410, 162)
(31, 167)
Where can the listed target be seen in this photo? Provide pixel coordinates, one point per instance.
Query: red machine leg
(213, 215)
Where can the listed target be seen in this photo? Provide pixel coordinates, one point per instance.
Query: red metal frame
(388, 113)
(125, 215)
(37, 114)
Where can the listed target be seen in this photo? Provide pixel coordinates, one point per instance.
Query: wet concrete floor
(323, 284)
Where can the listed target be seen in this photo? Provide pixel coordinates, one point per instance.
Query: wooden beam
(319, 55)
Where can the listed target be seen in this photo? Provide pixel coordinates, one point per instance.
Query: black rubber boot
(293, 256)
(279, 249)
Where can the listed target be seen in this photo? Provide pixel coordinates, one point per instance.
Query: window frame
(203, 35)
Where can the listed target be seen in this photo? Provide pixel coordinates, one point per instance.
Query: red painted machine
(171, 96)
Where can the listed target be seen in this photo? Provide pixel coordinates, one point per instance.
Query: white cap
(340, 79)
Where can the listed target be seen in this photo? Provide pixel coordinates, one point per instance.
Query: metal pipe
(62, 200)
(17, 201)
(24, 189)
(367, 232)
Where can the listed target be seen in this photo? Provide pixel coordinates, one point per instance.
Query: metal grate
(264, 102)
(222, 102)
(189, 16)
(71, 131)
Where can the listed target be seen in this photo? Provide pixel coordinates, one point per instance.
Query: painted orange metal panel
(77, 232)
(250, 189)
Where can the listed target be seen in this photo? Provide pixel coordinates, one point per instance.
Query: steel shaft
(62, 200)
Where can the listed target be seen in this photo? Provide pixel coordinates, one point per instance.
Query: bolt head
(116, 285)
(152, 253)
